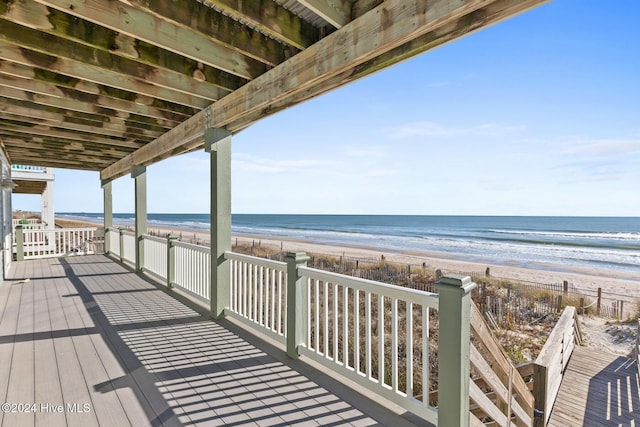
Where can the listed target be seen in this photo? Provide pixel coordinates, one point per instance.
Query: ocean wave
(622, 235)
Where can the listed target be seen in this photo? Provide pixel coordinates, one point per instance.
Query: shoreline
(620, 284)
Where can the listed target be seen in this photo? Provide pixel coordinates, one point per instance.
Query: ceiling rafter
(335, 12)
(38, 78)
(37, 55)
(142, 25)
(59, 122)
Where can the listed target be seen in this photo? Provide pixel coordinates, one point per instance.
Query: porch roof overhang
(104, 86)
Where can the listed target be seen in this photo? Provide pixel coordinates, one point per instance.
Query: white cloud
(247, 163)
(427, 128)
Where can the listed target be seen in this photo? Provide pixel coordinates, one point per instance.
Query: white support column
(139, 174)
(107, 193)
(47, 206)
(218, 144)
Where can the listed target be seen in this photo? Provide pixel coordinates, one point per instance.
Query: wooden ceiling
(106, 85)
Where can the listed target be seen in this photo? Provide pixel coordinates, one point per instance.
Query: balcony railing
(43, 243)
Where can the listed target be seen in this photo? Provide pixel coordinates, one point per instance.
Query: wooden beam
(335, 12)
(37, 55)
(390, 25)
(217, 27)
(141, 25)
(271, 19)
(33, 15)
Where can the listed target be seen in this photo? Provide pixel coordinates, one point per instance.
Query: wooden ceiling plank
(217, 27)
(35, 92)
(139, 24)
(7, 127)
(36, 56)
(271, 19)
(61, 84)
(43, 147)
(38, 17)
(386, 27)
(59, 122)
(335, 12)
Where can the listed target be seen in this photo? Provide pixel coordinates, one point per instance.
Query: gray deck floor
(87, 342)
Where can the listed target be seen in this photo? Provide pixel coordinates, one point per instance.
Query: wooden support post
(171, 260)
(540, 395)
(296, 303)
(598, 305)
(565, 288)
(108, 214)
(139, 174)
(559, 308)
(19, 243)
(581, 308)
(218, 145)
(453, 352)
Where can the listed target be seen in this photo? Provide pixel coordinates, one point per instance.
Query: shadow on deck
(88, 342)
(599, 389)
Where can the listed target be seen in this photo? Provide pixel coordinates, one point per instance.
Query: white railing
(128, 249)
(192, 269)
(360, 328)
(258, 293)
(58, 242)
(113, 235)
(155, 255)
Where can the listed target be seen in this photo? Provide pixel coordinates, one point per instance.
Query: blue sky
(537, 115)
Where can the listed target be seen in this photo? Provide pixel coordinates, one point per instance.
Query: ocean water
(534, 242)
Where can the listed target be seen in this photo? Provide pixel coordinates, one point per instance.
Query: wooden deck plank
(8, 324)
(598, 389)
(22, 376)
(48, 392)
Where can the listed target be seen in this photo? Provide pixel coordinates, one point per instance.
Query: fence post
(565, 288)
(599, 301)
(171, 260)
(296, 303)
(19, 243)
(453, 353)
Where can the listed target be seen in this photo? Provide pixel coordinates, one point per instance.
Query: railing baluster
(394, 344)
(425, 355)
(316, 315)
(335, 330)
(381, 339)
(409, 345)
(356, 330)
(345, 326)
(325, 316)
(367, 344)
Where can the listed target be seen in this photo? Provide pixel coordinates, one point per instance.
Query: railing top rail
(268, 263)
(58, 230)
(192, 246)
(553, 344)
(154, 238)
(428, 298)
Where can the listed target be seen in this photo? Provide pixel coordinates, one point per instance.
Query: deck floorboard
(110, 347)
(598, 389)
